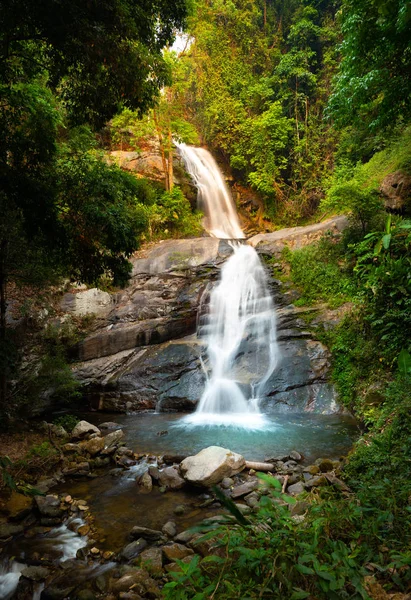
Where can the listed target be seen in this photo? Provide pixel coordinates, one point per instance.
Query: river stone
(171, 478)
(18, 506)
(226, 483)
(174, 551)
(184, 537)
(113, 438)
(7, 530)
(133, 549)
(82, 429)
(169, 529)
(93, 446)
(145, 483)
(325, 465)
(211, 465)
(244, 488)
(144, 532)
(35, 573)
(49, 506)
(295, 489)
(295, 455)
(152, 560)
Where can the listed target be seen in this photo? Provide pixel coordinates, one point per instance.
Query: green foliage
(68, 422)
(374, 81)
(321, 273)
(272, 555)
(259, 77)
(171, 215)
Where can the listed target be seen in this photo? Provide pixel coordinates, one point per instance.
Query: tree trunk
(163, 155)
(170, 160)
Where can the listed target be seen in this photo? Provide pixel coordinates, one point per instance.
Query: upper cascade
(214, 198)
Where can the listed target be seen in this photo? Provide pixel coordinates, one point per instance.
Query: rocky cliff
(144, 353)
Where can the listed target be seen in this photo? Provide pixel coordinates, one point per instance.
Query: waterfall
(239, 328)
(214, 198)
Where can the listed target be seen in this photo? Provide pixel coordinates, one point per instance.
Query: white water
(61, 540)
(214, 198)
(239, 329)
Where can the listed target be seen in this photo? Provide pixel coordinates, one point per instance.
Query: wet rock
(18, 506)
(154, 472)
(152, 561)
(127, 462)
(139, 581)
(211, 465)
(133, 549)
(171, 459)
(145, 482)
(295, 488)
(101, 462)
(82, 429)
(144, 532)
(295, 456)
(81, 469)
(7, 530)
(49, 506)
(174, 551)
(109, 425)
(171, 478)
(169, 529)
(245, 488)
(123, 451)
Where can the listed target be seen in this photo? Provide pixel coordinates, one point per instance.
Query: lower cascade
(239, 327)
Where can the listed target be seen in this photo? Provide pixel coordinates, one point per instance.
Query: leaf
(229, 504)
(305, 570)
(404, 362)
(299, 594)
(386, 240)
(378, 247)
(272, 481)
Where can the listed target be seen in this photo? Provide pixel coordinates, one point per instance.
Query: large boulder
(211, 465)
(396, 190)
(296, 237)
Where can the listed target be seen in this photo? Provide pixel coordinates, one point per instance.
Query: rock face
(396, 191)
(211, 465)
(295, 237)
(144, 354)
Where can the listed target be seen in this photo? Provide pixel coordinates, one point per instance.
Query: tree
(374, 78)
(98, 54)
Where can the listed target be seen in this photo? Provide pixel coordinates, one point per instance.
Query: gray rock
(295, 489)
(294, 455)
(82, 429)
(145, 482)
(133, 549)
(144, 532)
(113, 438)
(244, 488)
(226, 483)
(211, 465)
(49, 506)
(184, 537)
(171, 478)
(169, 529)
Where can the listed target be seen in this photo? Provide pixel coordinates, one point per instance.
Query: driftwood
(259, 466)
